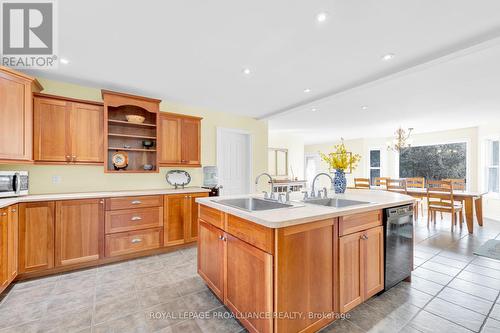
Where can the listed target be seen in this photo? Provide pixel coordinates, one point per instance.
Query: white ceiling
(193, 52)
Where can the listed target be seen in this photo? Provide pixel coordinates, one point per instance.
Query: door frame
(222, 130)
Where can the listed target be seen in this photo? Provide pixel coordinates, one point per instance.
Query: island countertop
(306, 212)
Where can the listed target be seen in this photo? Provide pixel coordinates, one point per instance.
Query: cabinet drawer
(257, 235)
(356, 222)
(212, 216)
(132, 241)
(133, 202)
(133, 219)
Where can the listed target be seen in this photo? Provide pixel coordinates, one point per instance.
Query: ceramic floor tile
(440, 259)
(491, 326)
(487, 262)
(157, 295)
(202, 301)
(440, 268)
(433, 276)
(426, 286)
(80, 282)
(132, 323)
(480, 279)
(493, 273)
(466, 300)
(166, 314)
(474, 289)
(455, 256)
(114, 308)
(342, 326)
(154, 279)
(495, 312)
(457, 314)
(190, 285)
(219, 320)
(428, 323)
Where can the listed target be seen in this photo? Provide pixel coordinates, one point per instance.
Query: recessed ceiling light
(321, 17)
(64, 61)
(364, 107)
(246, 71)
(388, 56)
(307, 90)
(314, 109)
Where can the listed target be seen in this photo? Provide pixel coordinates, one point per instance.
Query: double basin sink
(256, 204)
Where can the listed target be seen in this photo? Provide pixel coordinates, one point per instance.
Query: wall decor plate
(120, 160)
(178, 178)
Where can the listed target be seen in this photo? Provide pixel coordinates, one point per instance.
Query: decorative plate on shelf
(178, 178)
(120, 160)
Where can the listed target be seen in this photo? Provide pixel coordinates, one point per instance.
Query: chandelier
(401, 141)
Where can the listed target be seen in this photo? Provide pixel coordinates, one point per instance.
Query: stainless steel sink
(335, 202)
(252, 204)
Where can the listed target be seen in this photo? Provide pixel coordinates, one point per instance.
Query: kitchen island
(297, 268)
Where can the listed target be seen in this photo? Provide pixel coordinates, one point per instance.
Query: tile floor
(451, 291)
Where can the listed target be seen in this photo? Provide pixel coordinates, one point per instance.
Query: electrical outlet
(56, 179)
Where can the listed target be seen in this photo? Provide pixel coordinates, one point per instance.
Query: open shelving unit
(128, 137)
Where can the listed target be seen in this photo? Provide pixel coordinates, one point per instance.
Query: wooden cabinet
(16, 114)
(248, 286)
(36, 236)
(181, 140)
(4, 266)
(211, 257)
(361, 267)
(181, 218)
(78, 234)
(134, 241)
(67, 130)
(12, 241)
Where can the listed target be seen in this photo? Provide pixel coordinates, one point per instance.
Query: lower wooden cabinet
(248, 285)
(36, 236)
(134, 241)
(12, 241)
(361, 267)
(181, 218)
(211, 257)
(4, 274)
(78, 231)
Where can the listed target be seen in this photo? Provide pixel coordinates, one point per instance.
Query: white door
(233, 161)
(311, 167)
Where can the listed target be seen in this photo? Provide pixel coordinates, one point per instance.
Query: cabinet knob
(101, 202)
(136, 218)
(364, 237)
(136, 202)
(136, 240)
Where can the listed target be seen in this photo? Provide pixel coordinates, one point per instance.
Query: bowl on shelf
(148, 144)
(148, 167)
(136, 119)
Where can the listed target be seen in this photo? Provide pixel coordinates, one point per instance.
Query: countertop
(303, 213)
(4, 202)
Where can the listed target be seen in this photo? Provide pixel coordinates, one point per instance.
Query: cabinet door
(373, 258)
(248, 285)
(191, 221)
(51, 130)
(12, 241)
(79, 231)
(211, 257)
(173, 221)
(36, 236)
(87, 133)
(4, 266)
(170, 138)
(16, 118)
(191, 139)
(351, 279)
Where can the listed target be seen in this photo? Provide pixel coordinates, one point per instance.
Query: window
(434, 162)
(374, 165)
(278, 162)
(492, 166)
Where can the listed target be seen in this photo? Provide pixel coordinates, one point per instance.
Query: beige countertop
(303, 213)
(4, 202)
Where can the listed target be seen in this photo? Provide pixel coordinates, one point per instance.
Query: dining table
(473, 203)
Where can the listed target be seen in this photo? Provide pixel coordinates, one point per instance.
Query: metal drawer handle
(136, 218)
(136, 202)
(364, 237)
(136, 240)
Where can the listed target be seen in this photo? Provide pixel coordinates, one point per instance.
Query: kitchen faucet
(266, 196)
(313, 194)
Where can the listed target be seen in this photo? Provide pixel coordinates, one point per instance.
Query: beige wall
(295, 146)
(93, 178)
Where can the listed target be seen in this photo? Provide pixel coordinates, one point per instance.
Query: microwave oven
(13, 183)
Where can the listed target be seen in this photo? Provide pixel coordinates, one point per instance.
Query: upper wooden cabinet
(181, 140)
(79, 237)
(16, 114)
(67, 130)
(137, 140)
(36, 236)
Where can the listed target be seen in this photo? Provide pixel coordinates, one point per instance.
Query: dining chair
(362, 183)
(381, 181)
(458, 185)
(440, 199)
(417, 182)
(397, 185)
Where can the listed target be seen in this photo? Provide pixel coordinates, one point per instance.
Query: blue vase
(340, 182)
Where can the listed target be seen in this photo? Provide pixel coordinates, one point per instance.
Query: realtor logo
(28, 34)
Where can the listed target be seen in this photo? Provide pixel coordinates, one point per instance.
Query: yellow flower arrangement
(341, 159)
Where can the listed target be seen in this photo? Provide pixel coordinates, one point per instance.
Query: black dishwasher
(398, 240)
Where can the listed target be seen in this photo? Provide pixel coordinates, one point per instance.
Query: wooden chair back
(457, 184)
(362, 183)
(381, 181)
(415, 182)
(397, 185)
(440, 194)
